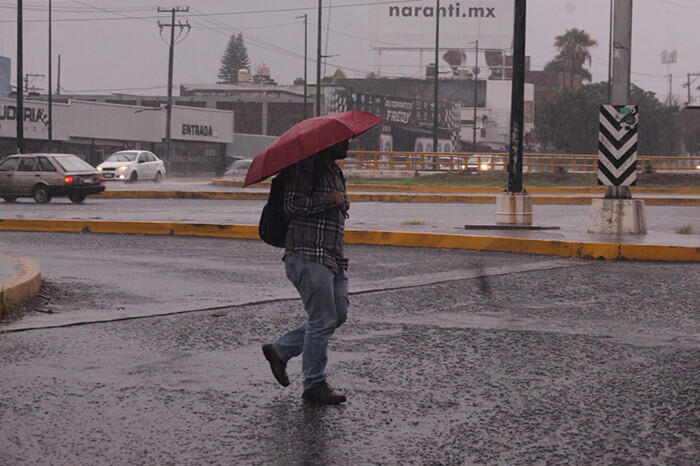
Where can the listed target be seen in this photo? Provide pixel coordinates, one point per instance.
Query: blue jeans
(324, 292)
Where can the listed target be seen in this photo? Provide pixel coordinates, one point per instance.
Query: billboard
(411, 25)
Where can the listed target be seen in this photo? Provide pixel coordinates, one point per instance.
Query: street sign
(617, 145)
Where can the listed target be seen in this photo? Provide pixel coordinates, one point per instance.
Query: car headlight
(484, 166)
(123, 168)
(99, 169)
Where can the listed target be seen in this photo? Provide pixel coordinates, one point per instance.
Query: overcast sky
(115, 45)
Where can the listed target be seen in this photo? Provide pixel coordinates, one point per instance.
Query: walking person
(317, 204)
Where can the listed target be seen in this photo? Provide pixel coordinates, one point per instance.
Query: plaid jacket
(317, 227)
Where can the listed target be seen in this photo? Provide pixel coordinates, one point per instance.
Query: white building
(493, 120)
(93, 130)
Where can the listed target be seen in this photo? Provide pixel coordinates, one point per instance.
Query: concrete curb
(597, 190)
(23, 286)
(576, 249)
(399, 197)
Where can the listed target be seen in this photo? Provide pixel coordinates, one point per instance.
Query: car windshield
(238, 164)
(71, 163)
(122, 157)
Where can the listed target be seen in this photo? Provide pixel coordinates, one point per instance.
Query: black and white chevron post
(617, 145)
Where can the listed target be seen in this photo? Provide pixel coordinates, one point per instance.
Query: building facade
(93, 130)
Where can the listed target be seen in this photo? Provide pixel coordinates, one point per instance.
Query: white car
(485, 163)
(238, 169)
(132, 165)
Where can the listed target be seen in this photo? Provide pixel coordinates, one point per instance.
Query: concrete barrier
(23, 286)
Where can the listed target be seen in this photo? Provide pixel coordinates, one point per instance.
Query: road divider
(598, 190)
(394, 197)
(577, 249)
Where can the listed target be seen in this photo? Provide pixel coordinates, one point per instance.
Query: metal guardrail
(497, 161)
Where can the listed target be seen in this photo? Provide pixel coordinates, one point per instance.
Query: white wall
(80, 119)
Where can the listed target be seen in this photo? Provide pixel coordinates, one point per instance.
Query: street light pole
(50, 144)
(306, 40)
(318, 62)
(435, 81)
(20, 96)
(515, 162)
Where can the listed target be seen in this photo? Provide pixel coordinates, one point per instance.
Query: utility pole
(50, 125)
(515, 163)
(476, 81)
(306, 40)
(169, 104)
(435, 78)
(20, 74)
(514, 205)
(318, 62)
(58, 77)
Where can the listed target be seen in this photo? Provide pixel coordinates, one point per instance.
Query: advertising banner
(411, 25)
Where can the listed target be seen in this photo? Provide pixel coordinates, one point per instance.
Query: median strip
(393, 197)
(577, 249)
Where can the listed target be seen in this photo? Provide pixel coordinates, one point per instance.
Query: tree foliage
(339, 74)
(235, 58)
(573, 46)
(568, 122)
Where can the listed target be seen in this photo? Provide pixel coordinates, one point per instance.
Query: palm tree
(573, 48)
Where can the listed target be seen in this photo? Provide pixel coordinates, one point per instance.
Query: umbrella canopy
(307, 138)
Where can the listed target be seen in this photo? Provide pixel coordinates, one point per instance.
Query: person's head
(340, 150)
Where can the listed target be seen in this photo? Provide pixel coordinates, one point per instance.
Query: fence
(480, 162)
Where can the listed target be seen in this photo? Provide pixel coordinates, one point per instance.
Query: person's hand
(339, 197)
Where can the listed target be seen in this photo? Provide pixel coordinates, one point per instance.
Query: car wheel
(10, 198)
(158, 178)
(77, 198)
(41, 194)
(134, 176)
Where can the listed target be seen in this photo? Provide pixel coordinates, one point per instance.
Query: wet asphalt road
(448, 357)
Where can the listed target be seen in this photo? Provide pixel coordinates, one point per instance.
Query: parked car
(485, 163)
(238, 169)
(451, 163)
(132, 165)
(43, 176)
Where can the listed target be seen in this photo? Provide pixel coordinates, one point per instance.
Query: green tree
(568, 122)
(573, 46)
(339, 74)
(235, 58)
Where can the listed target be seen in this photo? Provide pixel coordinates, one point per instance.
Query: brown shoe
(322, 394)
(279, 368)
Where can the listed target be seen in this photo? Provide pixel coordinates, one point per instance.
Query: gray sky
(115, 46)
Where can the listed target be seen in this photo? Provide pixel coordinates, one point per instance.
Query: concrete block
(514, 209)
(617, 217)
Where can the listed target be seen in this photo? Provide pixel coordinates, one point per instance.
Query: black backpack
(273, 220)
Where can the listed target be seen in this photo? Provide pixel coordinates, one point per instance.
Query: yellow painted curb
(399, 197)
(583, 250)
(23, 286)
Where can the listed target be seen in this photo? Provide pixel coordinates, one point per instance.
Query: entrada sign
(196, 130)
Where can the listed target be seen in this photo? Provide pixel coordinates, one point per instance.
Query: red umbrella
(307, 138)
